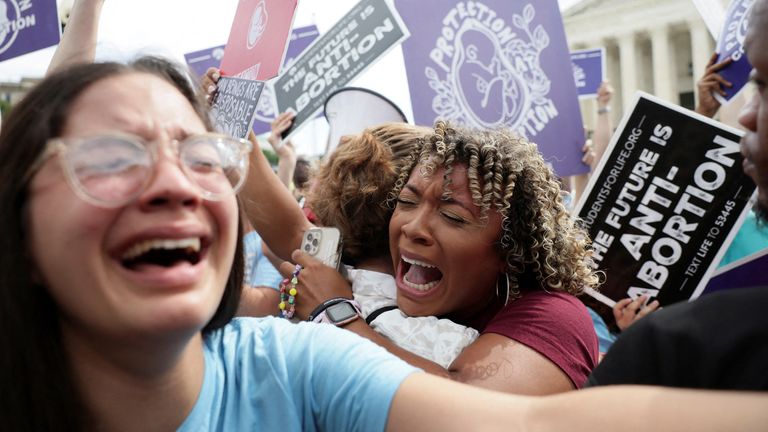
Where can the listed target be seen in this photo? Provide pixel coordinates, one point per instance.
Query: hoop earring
(505, 288)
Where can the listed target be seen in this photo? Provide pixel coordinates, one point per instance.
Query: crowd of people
(149, 262)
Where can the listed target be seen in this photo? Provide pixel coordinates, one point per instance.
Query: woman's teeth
(418, 263)
(140, 248)
(423, 272)
(419, 287)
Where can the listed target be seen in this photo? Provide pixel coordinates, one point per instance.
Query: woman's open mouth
(163, 253)
(420, 276)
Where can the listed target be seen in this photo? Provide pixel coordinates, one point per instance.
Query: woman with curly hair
(349, 192)
(480, 235)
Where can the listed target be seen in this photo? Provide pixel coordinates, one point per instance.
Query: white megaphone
(350, 110)
(64, 9)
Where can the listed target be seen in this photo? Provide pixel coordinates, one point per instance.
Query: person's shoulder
(549, 297)
(276, 338)
(555, 324)
(712, 342)
(244, 331)
(545, 311)
(549, 304)
(737, 307)
(708, 322)
(739, 298)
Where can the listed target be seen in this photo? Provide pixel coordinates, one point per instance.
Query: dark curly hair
(540, 240)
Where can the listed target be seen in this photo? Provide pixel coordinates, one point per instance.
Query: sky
(174, 27)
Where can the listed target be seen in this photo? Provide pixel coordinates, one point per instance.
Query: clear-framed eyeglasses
(112, 170)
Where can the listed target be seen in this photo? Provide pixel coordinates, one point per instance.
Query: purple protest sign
(495, 63)
(200, 61)
(588, 71)
(301, 38)
(26, 26)
(744, 273)
(731, 44)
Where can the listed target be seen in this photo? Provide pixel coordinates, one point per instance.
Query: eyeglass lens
(114, 169)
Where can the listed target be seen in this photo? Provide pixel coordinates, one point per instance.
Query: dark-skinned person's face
(754, 115)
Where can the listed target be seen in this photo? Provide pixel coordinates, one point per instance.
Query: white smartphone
(324, 244)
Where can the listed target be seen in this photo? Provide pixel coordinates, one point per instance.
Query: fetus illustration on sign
(486, 83)
(494, 77)
(258, 24)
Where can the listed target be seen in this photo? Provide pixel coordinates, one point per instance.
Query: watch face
(340, 312)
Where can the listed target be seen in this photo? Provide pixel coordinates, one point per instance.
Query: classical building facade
(660, 47)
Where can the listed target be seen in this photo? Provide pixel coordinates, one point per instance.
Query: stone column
(628, 61)
(701, 50)
(613, 68)
(663, 65)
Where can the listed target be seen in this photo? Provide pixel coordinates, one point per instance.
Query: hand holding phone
(323, 244)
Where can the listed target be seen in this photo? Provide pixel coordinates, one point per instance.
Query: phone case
(323, 244)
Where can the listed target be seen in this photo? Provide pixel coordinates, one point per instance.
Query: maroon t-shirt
(556, 325)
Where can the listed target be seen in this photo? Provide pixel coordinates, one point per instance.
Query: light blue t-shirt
(258, 270)
(269, 374)
(604, 336)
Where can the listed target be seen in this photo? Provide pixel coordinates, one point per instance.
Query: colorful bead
(287, 303)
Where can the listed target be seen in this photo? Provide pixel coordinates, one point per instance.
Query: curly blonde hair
(505, 172)
(352, 186)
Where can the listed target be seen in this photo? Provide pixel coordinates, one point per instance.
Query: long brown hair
(38, 392)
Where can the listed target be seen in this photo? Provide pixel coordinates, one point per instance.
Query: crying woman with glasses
(121, 273)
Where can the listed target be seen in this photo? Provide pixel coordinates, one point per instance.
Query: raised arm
(286, 153)
(603, 125)
(709, 84)
(78, 43)
(270, 207)
(424, 402)
(267, 203)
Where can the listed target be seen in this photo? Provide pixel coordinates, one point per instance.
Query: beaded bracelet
(287, 303)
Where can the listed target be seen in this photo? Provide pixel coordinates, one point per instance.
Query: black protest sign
(234, 105)
(666, 199)
(362, 36)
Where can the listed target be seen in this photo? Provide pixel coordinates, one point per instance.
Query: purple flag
(495, 63)
(744, 273)
(731, 44)
(200, 61)
(26, 26)
(588, 70)
(301, 38)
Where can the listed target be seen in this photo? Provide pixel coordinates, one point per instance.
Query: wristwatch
(338, 311)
